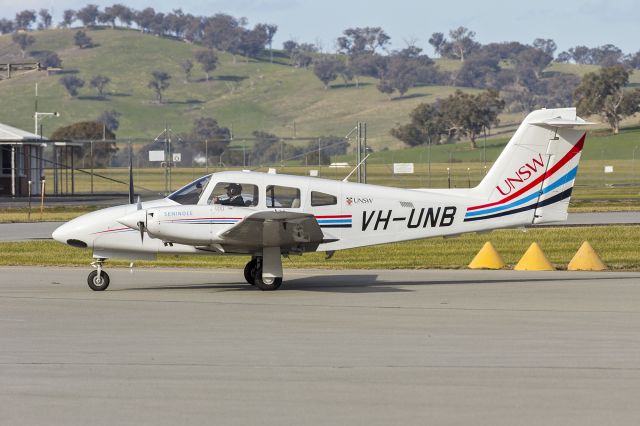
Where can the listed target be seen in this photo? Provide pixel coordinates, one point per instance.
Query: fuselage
(349, 214)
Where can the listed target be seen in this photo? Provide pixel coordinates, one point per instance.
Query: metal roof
(13, 134)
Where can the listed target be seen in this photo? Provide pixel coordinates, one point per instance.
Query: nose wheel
(98, 280)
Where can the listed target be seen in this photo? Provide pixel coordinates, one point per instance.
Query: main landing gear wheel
(267, 284)
(250, 271)
(98, 282)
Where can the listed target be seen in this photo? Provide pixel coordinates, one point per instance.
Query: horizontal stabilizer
(562, 122)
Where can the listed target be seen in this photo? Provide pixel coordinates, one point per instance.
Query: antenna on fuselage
(356, 168)
(131, 195)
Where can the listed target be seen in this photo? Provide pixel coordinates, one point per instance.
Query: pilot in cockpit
(234, 194)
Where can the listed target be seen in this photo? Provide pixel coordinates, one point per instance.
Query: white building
(21, 161)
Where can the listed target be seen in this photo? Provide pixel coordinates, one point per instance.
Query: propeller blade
(141, 227)
(139, 204)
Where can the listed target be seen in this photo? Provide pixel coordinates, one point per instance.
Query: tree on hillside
(547, 45)
(208, 60)
(124, 14)
(604, 93)
(144, 19)
(176, 22)
(426, 126)
(6, 26)
(48, 59)
(159, 83)
(72, 84)
(327, 70)
(633, 61)
(99, 82)
(531, 60)
(23, 40)
(159, 25)
(300, 55)
(222, 32)
(356, 41)
(479, 70)
(271, 30)
(438, 41)
(108, 16)
(89, 130)
(88, 15)
(462, 43)
(360, 45)
(110, 119)
(68, 17)
(468, 115)
(25, 19)
(187, 66)
(252, 42)
(45, 19)
(82, 40)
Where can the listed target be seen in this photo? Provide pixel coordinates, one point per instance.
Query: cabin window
(190, 193)
(283, 196)
(235, 194)
(322, 199)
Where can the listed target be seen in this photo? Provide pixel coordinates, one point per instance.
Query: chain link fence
(160, 167)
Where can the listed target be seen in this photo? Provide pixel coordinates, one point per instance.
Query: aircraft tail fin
(533, 177)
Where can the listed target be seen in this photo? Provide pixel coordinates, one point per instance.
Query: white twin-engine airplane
(266, 216)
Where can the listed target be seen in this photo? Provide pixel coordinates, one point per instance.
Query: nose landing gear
(98, 280)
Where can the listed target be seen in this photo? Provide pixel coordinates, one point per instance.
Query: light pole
(37, 116)
(633, 162)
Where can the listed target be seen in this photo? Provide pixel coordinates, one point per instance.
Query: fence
(102, 167)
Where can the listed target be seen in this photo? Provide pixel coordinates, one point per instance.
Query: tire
(269, 285)
(250, 271)
(98, 283)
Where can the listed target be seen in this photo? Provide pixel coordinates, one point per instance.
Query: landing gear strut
(98, 280)
(268, 271)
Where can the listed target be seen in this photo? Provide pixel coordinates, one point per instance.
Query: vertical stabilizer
(534, 175)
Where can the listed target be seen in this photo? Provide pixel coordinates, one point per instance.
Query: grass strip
(616, 245)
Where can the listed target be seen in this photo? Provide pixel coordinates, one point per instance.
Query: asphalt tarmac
(176, 346)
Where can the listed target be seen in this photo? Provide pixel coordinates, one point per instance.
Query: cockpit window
(234, 194)
(190, 194)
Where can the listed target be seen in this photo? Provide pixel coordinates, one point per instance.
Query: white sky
(569, 22)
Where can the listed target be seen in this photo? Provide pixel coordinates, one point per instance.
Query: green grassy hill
(245, 95)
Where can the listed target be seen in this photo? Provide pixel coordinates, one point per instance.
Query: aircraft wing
(290, 231)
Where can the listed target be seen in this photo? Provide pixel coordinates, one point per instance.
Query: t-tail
(531, 181)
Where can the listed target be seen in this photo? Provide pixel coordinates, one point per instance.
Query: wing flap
(287, 230)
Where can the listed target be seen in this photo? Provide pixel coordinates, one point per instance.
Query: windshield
(190, 194)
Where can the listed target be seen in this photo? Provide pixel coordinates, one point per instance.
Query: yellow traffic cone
(487, 258)
(586, 259)
(534, 259)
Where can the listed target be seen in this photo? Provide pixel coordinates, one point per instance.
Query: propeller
(136, 220)
(142, 229)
